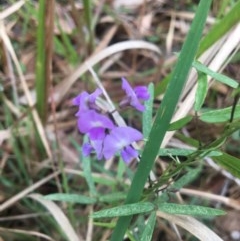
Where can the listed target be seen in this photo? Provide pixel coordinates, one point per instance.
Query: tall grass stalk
(88, 18)
(44, 55)
(164, 114)
(40, 67)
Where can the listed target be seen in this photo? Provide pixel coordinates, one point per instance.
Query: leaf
(218, 116)
(112, 197)
(70, 198)
(219, 77)
(202, 87)
(192, 210)
(174, 152)
(187, 178)
(176, 125)
(147, 114)
(125, 210)
(149, 227)
(229, 163)
(183, 152)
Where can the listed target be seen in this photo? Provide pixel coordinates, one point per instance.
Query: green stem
(40, 67)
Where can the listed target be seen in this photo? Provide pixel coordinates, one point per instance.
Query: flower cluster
(104, 137)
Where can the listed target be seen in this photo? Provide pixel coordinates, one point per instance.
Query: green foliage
(149, 227)
(201, 92)
(41, 83)
(176, 125)
(191, 175)
(147, 114)
(230, 163)
(219, 77)
(71, 198)
(125, 210)
(192, 210)
(164, 114)
(220, 115)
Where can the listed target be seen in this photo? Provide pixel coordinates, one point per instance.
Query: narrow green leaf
(229, 163)
(147, 114)
(201, 92)
(112, 197)
(219, 77)
(89, 21)
(41, 85)
(149, 227)
(191, 175)
(105, 225)
(218, 116)
(192, 210)
(70, 198)
(176, 125)
(121, 169)
(125, 210)
(174, 152)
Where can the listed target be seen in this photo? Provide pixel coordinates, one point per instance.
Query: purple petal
(92, 98)
(133, 99)
(128, 89)
(119, 138)
(91, 119)
(142, 92)
(128, 153)
(98, 148)
(87, 149)
(80, 100)
(86, 101)
(97, 133)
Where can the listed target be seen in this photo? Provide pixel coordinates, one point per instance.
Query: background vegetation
(186, 190)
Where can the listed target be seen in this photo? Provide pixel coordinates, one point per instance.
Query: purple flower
(94, 124)
(86, 101)
(134, 95)
(120, 139)
(94, 145)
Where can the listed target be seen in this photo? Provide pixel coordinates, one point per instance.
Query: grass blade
(164, 114)
(44, 55)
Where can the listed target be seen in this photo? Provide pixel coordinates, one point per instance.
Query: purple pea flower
(120, 139)
(86, 101)
(94, 124)
(134, 95)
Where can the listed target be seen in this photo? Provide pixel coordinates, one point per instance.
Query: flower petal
(92, 98)
(128, 153)
(119, 138)
(98, 147)
(133, 99)
(87, 149)
(97, 133)
(91, 119)
(142, 92)
(86, 101)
